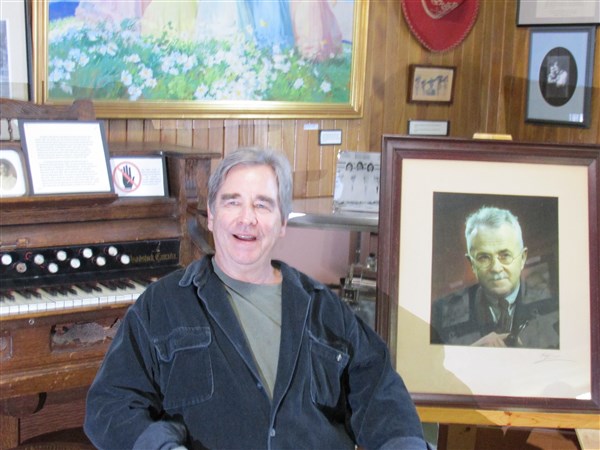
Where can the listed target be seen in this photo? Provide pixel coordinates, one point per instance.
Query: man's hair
(255, 157)
(491, 217)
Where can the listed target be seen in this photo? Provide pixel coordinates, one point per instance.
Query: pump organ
(70, 265)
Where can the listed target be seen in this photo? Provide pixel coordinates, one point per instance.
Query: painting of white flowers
(196, 58)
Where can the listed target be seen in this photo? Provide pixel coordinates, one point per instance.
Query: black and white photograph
(559, 85)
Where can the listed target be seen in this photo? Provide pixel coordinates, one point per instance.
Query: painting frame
(403, 308)
(543, 12)
(420, 75)
(351, 106)
(555, 52)
(16, 52)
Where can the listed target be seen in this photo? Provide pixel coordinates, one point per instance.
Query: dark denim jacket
(179, 371)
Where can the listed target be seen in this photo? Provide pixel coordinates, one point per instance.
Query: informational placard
(357, 181)
(66, 157)
(139, 176)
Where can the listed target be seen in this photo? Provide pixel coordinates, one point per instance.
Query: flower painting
(201, 51)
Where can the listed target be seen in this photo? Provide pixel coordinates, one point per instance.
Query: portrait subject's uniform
(463, 317)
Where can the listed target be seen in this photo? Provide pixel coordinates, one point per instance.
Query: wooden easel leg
(588, 439)
(9, 437)
(457, 437)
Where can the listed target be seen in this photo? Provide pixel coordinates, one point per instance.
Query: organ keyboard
(70, 266)
(38, 280)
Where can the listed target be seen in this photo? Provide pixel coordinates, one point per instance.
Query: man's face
(497, 244)
(246, 222)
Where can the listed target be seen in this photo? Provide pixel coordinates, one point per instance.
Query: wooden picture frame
(562, 12)
(560, 77)
(431, 84)
(549, 379)
(15, 43)
(160, 61)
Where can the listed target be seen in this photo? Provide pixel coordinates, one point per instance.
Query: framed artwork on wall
(561, 12)
(559, 84)
(203, 59)
(430, 84)
(431, 281)
(15, 50)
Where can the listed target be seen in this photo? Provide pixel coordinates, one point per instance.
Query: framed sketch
(431, 84)
(139, 176)
(203, 59)
(557, 12)
(15, 50)
(436, 291)
(13, 182)
(559, 85)
(66, 157)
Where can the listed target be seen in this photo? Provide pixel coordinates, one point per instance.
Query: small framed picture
(139, 176)
(431, 84)
(557, 12)
(559, 84)
(12, 174)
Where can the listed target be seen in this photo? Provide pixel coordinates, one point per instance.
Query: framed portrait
(203, 59)
(557, 12)
(15, 50)
(431, 84)
(66, 157)
(440, 284)
(559, 84)
(13, 181)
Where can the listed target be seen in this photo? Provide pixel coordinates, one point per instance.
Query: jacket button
(339, 357)
(259, 386)
(272, 432)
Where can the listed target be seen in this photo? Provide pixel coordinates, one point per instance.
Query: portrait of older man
(509, 304)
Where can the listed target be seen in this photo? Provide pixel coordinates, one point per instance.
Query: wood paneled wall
(490, 92)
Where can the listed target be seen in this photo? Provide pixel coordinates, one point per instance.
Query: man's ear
(524, 257)
(210, 218)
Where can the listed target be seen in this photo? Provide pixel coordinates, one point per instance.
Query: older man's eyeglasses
(486, 260)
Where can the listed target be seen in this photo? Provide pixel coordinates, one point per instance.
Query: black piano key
(109, 285)
(7, 295)
(85, 287)
(25, 293)
(53, 292)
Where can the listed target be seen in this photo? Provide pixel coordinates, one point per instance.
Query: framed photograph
(15, 50)
(428, 127)
(139, 176)
(13, 182)
(203, 59)
(444, 272)
(557, 12)
(431, 84)
(357, 181)
(559, 85)
(66, 157)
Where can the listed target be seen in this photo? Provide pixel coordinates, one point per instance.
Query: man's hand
(492, 340)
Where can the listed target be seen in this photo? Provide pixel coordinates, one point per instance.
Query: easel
(463, 422)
